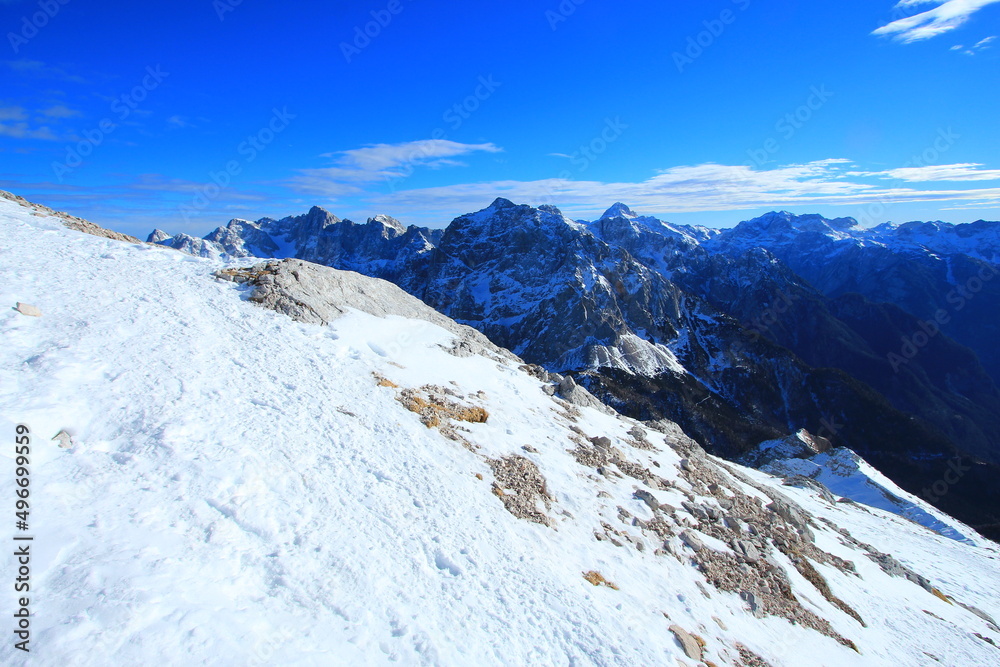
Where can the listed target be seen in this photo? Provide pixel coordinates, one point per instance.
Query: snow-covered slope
(242, 488)
(849, 476)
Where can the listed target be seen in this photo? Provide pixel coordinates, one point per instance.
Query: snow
(848, 475)
(241, 492)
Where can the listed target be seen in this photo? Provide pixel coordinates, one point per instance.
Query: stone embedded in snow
(692, 540)
(692, 648)
(316, 294)
(789, 513)
(64, 439)
(695, 510)
(28, 309)
(577, 395)
(648, 498)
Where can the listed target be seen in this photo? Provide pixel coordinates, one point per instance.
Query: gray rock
(316, 294)
(734, 524)
(894, 568)
(577, 395)
(600, 442)
(648, 498)
(692, 540)
(695, 510)
(800, 445)
(751, 601)
(747, 550)
(981, 614)
(791, 514)
(64, 439)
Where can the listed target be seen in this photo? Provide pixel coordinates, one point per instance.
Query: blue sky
(182, 115)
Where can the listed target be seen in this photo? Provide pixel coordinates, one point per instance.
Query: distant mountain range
(880, 340)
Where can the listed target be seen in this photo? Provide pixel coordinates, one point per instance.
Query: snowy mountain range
(878, 339)
(279, 462)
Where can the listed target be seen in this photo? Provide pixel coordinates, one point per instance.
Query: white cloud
(24, 131)
(683, 189)
(381, 162)
(37, 69)
(969, 171)
(975, 48)
(13, 113)
(948, 15)
(179, 122)
(60, 111)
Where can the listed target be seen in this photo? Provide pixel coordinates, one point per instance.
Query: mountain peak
(388, 221)
(619, 210)
(500, 202)
(157, 236)
(320, 211)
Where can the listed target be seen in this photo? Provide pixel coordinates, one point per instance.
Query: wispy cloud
(25, 131)
(38, 69)
(948, 15)
(60, 111)
(689, 189)
(13, 113)
(179, 122)
(354, 168)
(164, 184)
(975, 48)
(968, 171)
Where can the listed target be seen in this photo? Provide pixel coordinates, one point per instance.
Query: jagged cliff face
(923, 268)
(700, 326)
(543, 286)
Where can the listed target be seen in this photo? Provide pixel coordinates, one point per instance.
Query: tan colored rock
(28, 309)
(692, 648)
